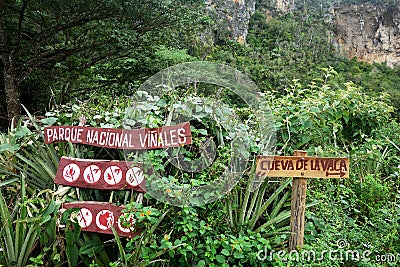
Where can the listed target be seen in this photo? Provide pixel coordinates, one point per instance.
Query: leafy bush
(323, 114)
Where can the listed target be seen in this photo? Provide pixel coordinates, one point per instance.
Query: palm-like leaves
(261, 208)
(20, 229)
(25, 152)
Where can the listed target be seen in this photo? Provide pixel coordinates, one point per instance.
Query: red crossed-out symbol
(84, 217)
(71, 172)
(92, 174)
(104, 219)
(113, 175)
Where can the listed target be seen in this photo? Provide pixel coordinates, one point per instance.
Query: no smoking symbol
(113, 175)
(71, 172)
(134, 176)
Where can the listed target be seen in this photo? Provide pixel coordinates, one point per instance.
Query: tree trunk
(12, 93)
(10, 79)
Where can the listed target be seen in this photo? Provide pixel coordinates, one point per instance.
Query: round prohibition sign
(92, 174)
(134, 176)
(224, 117)
(84, 217)
(129, 220)
(113, 175)
(104, 219)
(71, 172)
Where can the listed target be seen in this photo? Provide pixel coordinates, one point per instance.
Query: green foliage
(196, 239)
(30, 220)
(375, 79)
(143, 249)
(343, 110)
(24, 152)
(374, 193)
(326, 113)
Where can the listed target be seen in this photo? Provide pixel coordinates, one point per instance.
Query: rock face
(283, 6)
(231, 18)
(368, 32)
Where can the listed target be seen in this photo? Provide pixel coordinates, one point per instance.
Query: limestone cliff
(368, 32)
(231, 18)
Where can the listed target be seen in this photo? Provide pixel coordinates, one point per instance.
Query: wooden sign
(146, 138)
(102, 174)
(98, 217)
(302, 166)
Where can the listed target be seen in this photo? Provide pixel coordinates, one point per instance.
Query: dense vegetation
(321, 102)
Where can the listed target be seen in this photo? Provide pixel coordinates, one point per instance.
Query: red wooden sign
(98, 217)
(102, 174)
(146, 138)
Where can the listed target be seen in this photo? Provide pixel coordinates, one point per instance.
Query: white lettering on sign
(161, 139)
(146, 138)
(65, 134)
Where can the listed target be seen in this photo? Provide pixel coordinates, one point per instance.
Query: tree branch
(50, 56)
(21, 19)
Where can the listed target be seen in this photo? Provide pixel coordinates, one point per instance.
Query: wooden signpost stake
(297, 209)
(300, 167)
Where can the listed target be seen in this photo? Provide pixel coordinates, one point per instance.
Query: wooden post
(300, 167)
(298, 206)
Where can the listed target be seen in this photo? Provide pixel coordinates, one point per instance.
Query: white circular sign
(71, 172)
(84, 217)
(113, 175)
(131, 220)
(134, 176)
(104, 219)
(92, 174)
